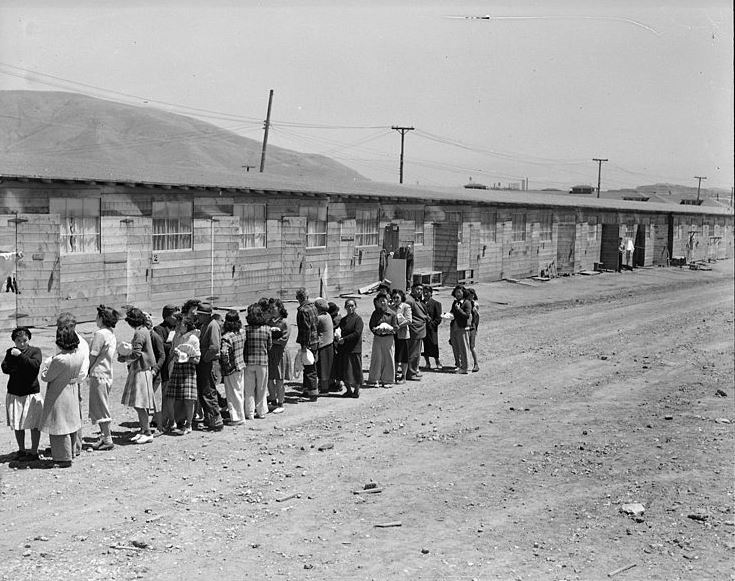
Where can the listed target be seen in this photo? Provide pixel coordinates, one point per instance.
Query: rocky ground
(596, 440)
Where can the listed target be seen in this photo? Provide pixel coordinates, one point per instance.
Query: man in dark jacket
(308, 338)
(165, 330)
(209, 345)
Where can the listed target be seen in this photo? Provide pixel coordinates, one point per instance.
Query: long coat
(434, 312)
(61, 414)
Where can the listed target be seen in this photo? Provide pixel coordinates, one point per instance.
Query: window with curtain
(488, 227)
(172, 225)
(366, 227)
(545, 223)
(80, 224)
(253, 224)
(519, 227)
(316, 225)
(418, 227)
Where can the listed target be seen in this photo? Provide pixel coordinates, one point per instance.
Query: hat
(204, 309)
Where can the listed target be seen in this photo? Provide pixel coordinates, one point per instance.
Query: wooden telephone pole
(266, 126)
(402, 131)
(599, 172)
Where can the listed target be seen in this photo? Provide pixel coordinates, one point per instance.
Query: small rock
(698, 517)
(635, 509)
(722, 421)
(668, 417)
(721, 393)
(308, 566)
(424, 551)
(324, 447)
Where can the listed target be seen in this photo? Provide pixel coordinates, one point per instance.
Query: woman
(232, 363)
(258, 342)
(138, 391)
(334, 383)
(404, 317)
(182, 375)
(325, 356)
(348, 364)
(431, 341)
(61, 417)
(383, 325)
(460, 327)
(280, 332)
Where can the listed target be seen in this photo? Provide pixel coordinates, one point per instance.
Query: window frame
(87, 217)
(315, 238)
(173, 231)
(258, 225)
(546, 226)
(488, 226)
(518, 234)
(367, 226)
(419, 227)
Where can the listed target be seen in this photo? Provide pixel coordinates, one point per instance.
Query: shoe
(26, 456)
(475, 369)
(414, 378)
(102, 446)
(312, 398)
(347, 393)
(278, 410)
(234, 422)
(388, 385)
(355, 394)
(144, 439)
(136, 437)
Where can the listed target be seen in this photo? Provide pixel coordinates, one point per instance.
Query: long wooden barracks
(75, 242)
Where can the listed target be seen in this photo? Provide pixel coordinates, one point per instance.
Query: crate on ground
(428, 277)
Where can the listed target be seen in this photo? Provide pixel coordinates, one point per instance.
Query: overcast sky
(536, 91)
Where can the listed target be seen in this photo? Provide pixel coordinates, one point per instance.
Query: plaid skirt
(182, 383)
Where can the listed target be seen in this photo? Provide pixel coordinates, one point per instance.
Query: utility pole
(599, 172)
(402, 131)
(699, 185)
(266, 126)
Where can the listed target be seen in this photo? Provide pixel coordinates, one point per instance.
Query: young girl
(404, 317)
(182, 377)
(257, 344)
(276, 364)
(138, 392)
(384, 325)
(232, 363)
(473, 327)
(23, 403)
(101, 351)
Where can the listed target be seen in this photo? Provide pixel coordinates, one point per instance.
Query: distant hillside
(88, 137)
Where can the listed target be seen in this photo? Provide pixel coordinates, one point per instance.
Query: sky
(535, 91)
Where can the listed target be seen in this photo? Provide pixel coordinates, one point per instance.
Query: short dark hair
(399, 292)
(135, 317)
(255, 316)
(169, 310)
(109, 316)
(277, 304)
(232, 322)
(18, 331)
(190, 304)
(428, 288)
(380, 296)
(417, 284)
(301, 294)
(67, 338)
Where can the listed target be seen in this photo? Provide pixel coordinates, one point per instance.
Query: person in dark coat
(348, 365)
(209, 345)
(434, 314)
(166, 330)
(460, 327)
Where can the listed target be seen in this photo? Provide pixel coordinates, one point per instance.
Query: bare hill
(89, 137)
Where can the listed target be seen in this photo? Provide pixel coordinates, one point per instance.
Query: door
(390, 238)
(346, 273)
(661, 252)
(293, 256)
(445, 251)
(639, 254)
(565, 241)
(609, 246)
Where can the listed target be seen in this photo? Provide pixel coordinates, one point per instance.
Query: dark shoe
(102, 446)
(355, 394)
(475, 369)
(348, 393)
(312, 398)
(414, 378)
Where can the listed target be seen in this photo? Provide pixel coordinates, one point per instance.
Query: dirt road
(594, 393)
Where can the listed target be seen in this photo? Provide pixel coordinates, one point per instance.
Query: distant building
(581, 190)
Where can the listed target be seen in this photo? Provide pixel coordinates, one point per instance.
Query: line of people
(174, 368)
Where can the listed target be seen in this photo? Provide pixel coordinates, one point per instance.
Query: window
(488, 227)
(80, 224)
(592, 228)
(545, 223)
(316, 225)
(418, 226)
(456, 218)
(172, 225)
(252, 224)
(366, 227)
(519, 227)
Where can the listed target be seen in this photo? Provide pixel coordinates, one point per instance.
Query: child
(473, 327)
(138, 392)
(182, 377)
(104, 345)
(23, 403)
(258, 342)
(232, 363)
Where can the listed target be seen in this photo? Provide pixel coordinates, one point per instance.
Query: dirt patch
(593, 393)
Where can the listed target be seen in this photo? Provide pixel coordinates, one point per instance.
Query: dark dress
(348, 364)
(431, 341)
